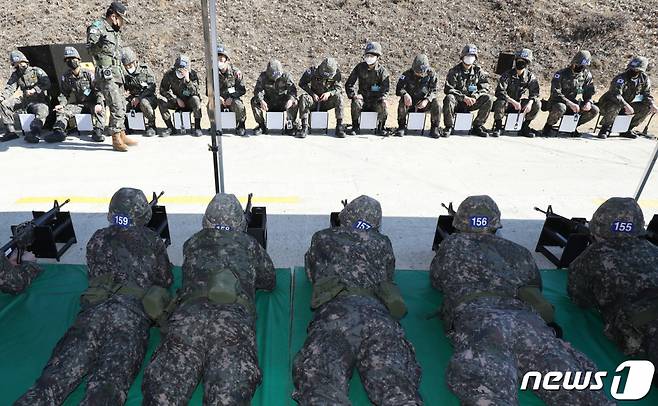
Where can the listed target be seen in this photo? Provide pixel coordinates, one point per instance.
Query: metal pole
(647, 173)
(209, 15)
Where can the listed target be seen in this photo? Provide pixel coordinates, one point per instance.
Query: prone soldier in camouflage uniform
(78, 94)
(374, 84)
(417, 88)
(14, 277)
(356, 305)
(567, 85)
(34, 85)
(140, 88)
(129, 270)
(517, 92)
(231, 88)
(211, 334)
(105, 45)
(494, 312)
(630, 91)
(179, 89)
(274, 91)
(618, 276)
(323, 93)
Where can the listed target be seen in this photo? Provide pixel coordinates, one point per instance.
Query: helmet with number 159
(129, 207)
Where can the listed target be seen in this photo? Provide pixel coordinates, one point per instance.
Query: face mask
(579, 68)
(370, 59)
(179, 74)
(469, 59)
(521, 64)
(634, 72)
(73, 63)
(133, 69)
(222, 65)
(21, 68)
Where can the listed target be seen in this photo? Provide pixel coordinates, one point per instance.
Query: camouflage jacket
(104, 45)
(417, 87)
(172, 88)
(231, 84)
(567, 85)
(15, 279)
(140, 84)
(623, 88)
(79, 89)
(34, 78)
(524, 87)
(472, 82)
(469, 264)
(619, 277)
(315, 84)
(212, 249)
(374, 84)
(274, 91)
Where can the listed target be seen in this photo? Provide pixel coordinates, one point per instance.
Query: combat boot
(447, 132)
(355, 130)
(526, 131)
(548, 131)
(260, 130)
(340, 129)
(58, 135)
(497, 129)
(434, 131)
(303, 132)
(400, 131)
(127, 140)
(629, 134)
(480, 131)
(604, 132)
(166, 132)
(240, 130)
(150, 131)
(10, 134)
(97, 135)
(197, 128)
(381, 131)
(117, 143)
(33, 136)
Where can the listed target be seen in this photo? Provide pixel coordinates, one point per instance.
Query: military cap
(362, 213)
(128, 56)
(582, 57)
(328, 67)
(469, 49)
(639, 63)
(524, 54)
(70, 52)
(617, 217)
(222, 50)
(477, 214)
(121, 9)
(129, 207)
(16, 57)
(224, 212)
(373, 48)
(274, 69)
(421, 64)
(183, 61)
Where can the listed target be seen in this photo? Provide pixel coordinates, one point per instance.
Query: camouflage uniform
(351, 325)
(374, 85)
(626, 88)
(496, 316)
(618, 275)
(568, 85)
(141, 85)
(420, 83)
(232, 87)
(31, 79)
(325, 78)
(108, 339)
(276, 88)
(464, 82)
(173, 88)
(15, 279)
(208, 338)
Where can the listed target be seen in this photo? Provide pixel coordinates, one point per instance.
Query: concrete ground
(302, 181)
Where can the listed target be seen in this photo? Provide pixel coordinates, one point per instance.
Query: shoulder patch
(620, 81)
(97, 24)
(557, 76)
(402, 77)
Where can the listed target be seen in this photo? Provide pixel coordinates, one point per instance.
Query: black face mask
(579, 68)
(633, 72)
(521, 64)
(21, 69)
(73, 63)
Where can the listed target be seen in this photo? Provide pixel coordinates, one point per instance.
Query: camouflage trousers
(502, 107)
(240, 111)
(558, 109)
(368, 105)
(274, 105)
(192, 103)
(212, 343)
(107, 343)
(16, 105)
(69, 111)
(307, 105)
(147, 106)
(611, 108)
(356, 331)
(497, 343)
(15, 279)
(115, 100)
(451, 106)
(433, 107)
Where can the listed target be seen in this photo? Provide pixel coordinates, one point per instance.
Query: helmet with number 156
(477, 214)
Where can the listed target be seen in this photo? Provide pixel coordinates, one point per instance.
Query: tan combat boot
(117, 143)
(129, 142)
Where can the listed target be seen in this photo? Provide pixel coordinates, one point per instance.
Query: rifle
(247, 210)
(156, 199)
(449, 208)
(645, 132)
(23, 234)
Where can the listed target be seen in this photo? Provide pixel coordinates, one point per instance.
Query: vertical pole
(647, 173)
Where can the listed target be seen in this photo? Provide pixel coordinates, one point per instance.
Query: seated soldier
(357, 307)
(274, 91)
(629, 92)
(323, 93)
(179, 90)
(15, 277)
(572, 88)
(517, 92)
(231, 88)
(417, 88)
(494, 312)
(139, 84)
(34, 85)
(373, 86)
(618, 276)
(78, 94)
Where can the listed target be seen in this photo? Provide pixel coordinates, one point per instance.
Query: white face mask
(132, 70)
(222, 65)
(469, 59)
(179, 75)
(370, 59)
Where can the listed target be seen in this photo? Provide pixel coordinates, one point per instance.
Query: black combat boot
(33, 136)
(526, 131)
(629, 134)
(355, 130)
(381, 131)
(261, 129)
(434, 131)
(497, 129)
(548, 131)
(58, 135)
(447, 132)
(197, 128)
(401, 128)
(480, 131)
(150, 130)
(10, 134)
(604, 132)
(340, 129)
(240, 130)
(97, 135)
(166, 132)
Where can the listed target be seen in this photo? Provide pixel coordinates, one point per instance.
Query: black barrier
(652, 230)
(572, 235)
(257, 227)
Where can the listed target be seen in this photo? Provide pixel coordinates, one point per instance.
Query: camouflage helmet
(128, 56)
(16, 57)
(222, 50)
(129, 207)
(525, 54)
(421, 64)
(70, 52)
(224, 212)
(183, 61)
(362, 213)
(582, 57)
(617, 217)
(639, 63)
(120, 9)
(477, 214)
(469, 49)
(274, 69)
(328, 67)
(373, 48)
